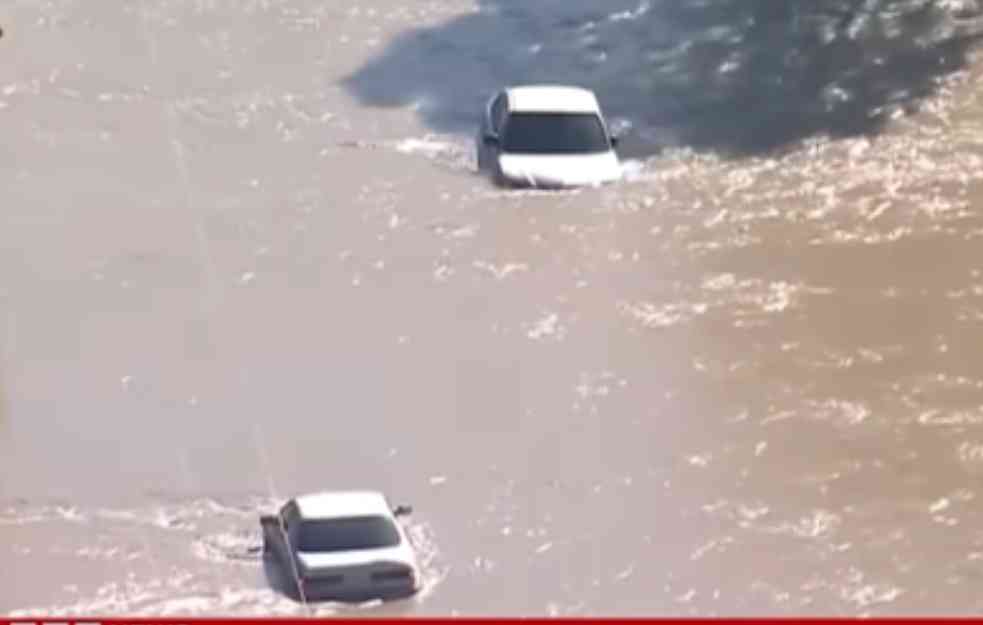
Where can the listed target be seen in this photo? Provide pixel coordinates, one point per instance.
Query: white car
(547, 136)
(345, 546)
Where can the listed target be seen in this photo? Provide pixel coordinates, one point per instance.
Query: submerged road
(244, 254)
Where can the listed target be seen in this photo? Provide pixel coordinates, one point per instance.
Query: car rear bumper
(320, 591)
(327, 589)
(549, 185)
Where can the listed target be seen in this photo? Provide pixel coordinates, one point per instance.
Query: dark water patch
(737, 77)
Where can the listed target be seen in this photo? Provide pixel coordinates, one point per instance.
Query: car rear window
(371, 532)
(554, 133)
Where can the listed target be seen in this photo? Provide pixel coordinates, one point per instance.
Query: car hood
(401, 554)
(560, 170)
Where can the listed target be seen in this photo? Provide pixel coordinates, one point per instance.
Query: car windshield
(554, 133)
(371, 532)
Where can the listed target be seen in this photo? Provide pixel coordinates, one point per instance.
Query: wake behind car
(346, 546)
(547, 136)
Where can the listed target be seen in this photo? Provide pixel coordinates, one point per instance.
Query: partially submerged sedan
(345, 546)
(547, 136)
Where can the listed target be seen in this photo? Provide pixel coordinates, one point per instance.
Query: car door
(289, 520)
(491, 125)
(497, 112)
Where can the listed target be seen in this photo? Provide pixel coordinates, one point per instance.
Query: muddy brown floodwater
(244, 254)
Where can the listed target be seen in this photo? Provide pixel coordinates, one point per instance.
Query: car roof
(341, 504)
(551, 99)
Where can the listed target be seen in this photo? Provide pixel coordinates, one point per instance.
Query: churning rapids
(245, 254)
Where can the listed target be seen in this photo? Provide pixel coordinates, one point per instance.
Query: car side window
(498, 113)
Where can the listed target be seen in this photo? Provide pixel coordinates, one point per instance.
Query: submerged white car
(345, 546)
(547, 136)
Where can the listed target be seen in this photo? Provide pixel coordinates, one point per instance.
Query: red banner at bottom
(456, 620)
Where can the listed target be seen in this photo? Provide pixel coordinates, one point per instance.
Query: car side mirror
(403, 510)
(615, 141)
(490, 140)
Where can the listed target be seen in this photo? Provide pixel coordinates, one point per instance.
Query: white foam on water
(426, 146)
(242, 546)
(21, 515)
(233, 540)
(820, 524)
(500, 272)
(449, 151)
(652, 315)
(547, 327)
